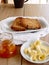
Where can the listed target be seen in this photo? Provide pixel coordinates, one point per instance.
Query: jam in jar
(7, 46)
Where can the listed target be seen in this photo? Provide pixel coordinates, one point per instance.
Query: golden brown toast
(21, 24)
(17, 28)
(16, 25)
(36, 24)
(30, 23)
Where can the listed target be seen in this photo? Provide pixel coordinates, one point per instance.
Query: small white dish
(5, 24)
(26, 45)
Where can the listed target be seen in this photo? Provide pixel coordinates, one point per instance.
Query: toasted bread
(21, 24)
(16, 26)
(36, 24)
(30, 23)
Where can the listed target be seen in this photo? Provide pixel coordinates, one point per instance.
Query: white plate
(5, 24)
(27, 44)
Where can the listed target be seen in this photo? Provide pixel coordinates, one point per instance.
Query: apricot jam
(7, 49)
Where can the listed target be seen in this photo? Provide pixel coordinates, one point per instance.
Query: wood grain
(15, 60)
(37, 10)
(8, 10)
(3, 61)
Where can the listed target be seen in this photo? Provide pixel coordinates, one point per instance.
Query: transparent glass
(7, 46)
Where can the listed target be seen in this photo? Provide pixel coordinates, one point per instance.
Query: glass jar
(7, 46)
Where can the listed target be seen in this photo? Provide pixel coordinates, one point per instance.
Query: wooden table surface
(8, 10)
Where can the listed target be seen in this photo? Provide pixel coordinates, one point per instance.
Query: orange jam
(7, 49)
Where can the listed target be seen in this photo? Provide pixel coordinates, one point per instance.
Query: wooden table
(27, 10)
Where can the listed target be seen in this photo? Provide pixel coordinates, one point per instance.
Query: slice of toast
(21, 24)
(30, 23)
(16, 25)
(17, 28)
(36, 24)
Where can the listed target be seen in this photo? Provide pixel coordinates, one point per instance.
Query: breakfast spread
(37, 51)
(22, 24)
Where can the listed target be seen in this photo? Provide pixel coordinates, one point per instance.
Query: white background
(32, 1)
